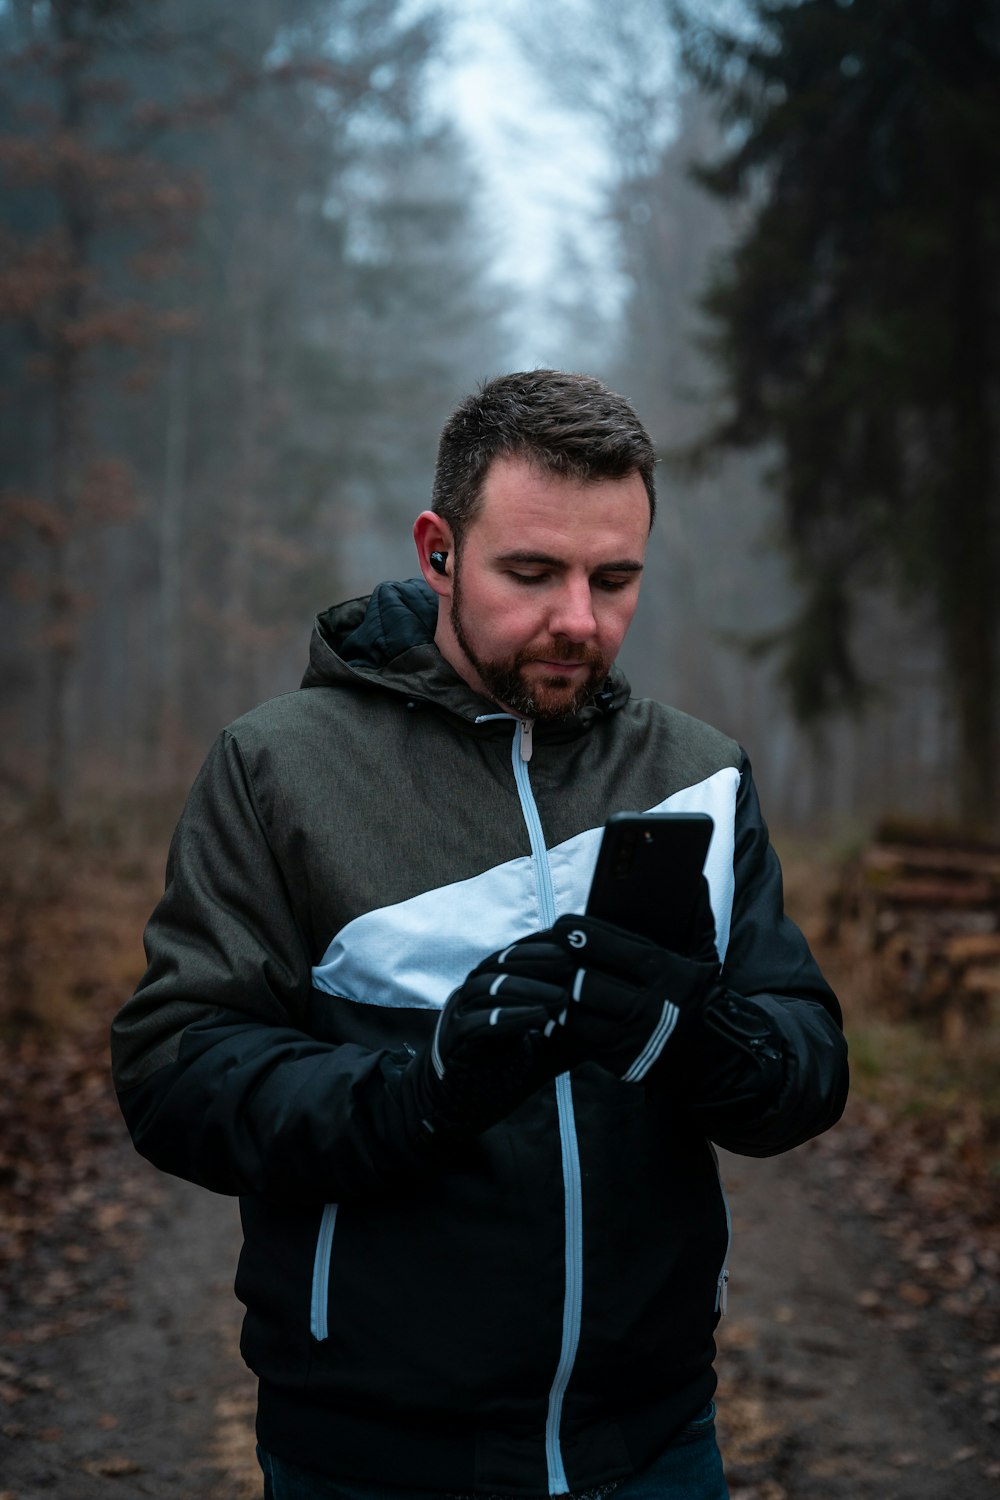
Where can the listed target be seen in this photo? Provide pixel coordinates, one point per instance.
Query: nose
(573, 611)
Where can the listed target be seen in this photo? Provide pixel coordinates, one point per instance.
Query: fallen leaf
(110, 1214)
(115, 1466)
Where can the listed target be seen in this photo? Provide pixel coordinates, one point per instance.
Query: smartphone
(648, 872)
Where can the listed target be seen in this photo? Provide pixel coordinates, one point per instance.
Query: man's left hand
(649, 1015)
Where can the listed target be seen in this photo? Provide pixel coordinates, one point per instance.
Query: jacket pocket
(319, 1302)
(722, 1282)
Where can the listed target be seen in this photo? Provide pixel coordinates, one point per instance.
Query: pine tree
(857, 324)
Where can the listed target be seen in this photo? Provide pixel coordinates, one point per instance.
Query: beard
(540, 697)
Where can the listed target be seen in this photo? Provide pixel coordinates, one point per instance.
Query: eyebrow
(543, 559)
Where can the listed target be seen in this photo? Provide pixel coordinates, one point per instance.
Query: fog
(251, 259)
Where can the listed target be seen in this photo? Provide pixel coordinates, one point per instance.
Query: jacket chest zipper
(533, 823)
(572, 1187)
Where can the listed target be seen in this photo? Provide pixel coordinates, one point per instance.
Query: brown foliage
(71, 915)
(919, 1149)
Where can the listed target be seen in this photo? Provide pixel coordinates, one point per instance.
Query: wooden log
(942, 860)
(980, 980)
(928, 891)
(970, 947)
(926, 913)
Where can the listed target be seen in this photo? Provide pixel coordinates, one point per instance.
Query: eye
(613, 585)
(528, 578)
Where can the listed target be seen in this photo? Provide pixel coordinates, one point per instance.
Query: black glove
(652, 1016)
(626, 998)
(491, 1049)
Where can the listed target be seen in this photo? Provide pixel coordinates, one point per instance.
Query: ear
(431, 534)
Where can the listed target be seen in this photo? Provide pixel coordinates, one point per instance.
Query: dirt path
(827, 1389)
(141, 1392)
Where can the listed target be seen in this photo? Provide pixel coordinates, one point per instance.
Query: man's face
(545, 587)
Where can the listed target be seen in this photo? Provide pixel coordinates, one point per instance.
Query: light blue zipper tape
(543, 875)
(572, 1301)
(572, 1187)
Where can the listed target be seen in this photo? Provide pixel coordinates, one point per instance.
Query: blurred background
(251, 256)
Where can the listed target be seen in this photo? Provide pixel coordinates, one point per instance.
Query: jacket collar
(386, 640)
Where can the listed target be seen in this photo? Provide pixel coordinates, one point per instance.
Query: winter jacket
(534, 1312)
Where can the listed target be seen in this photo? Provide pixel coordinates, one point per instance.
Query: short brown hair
(571, 425)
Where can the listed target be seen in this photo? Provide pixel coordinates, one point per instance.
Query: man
(486, 1243)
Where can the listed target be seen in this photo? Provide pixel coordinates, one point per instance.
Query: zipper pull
(722, 1300)
(527, 725)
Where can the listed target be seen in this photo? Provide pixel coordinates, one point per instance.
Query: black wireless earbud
(439, 562)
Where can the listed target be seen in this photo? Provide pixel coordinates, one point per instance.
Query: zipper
(572, 1184)
(521, 749)
(520, 755)
(539, 853)
(722, 1283)
(573, 1296)
(320, 1300)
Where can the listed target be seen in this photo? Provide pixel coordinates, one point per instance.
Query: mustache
(563, 651)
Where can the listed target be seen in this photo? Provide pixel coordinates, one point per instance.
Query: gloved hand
(492, 1048)
(656, 1017)
(626, 999)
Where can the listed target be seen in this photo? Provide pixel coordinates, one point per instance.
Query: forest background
(251, 257)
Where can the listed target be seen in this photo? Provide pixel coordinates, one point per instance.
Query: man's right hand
(493, 1047)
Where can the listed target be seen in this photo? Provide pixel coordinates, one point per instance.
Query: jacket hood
(386, 639)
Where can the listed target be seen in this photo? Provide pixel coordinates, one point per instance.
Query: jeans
(690, 1469)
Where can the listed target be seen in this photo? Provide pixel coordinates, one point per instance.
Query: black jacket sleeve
(216, 1078)
(783, 1076)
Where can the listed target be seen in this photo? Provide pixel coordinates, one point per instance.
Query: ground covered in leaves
(860, 1357)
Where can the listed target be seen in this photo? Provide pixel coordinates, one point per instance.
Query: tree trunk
(968, 531)
(67, 424)
(171, 533)
(238, 653)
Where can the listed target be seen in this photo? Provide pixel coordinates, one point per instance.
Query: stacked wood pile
(923, 912)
